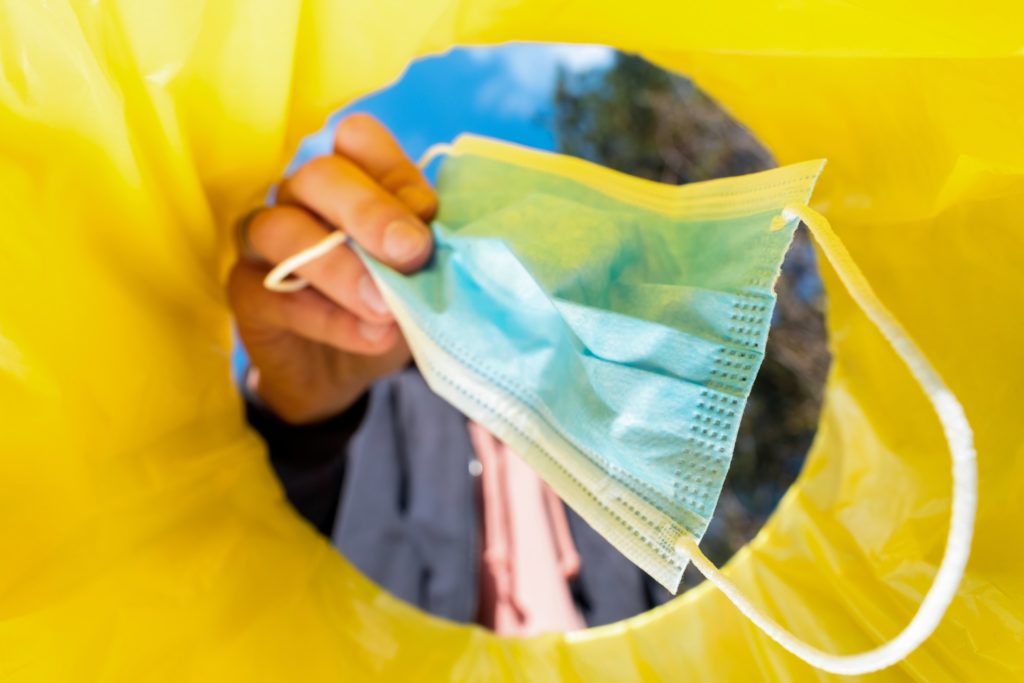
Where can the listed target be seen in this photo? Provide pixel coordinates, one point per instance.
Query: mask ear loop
(965, 487)
(433, 152)
(281, 278)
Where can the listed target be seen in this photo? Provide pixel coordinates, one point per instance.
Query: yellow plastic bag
(144, 535)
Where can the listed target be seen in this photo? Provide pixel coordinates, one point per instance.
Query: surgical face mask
(609, 330)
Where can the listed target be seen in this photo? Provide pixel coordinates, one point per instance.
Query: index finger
(372, 147)
(341, 193)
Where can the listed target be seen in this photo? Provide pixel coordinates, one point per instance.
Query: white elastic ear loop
(965, 487)
(280, 278)
(433, 152)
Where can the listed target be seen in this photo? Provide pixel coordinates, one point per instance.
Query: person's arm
(309, 459)
(315, 352)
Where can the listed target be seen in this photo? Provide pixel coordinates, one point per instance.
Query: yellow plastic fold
(144, 536)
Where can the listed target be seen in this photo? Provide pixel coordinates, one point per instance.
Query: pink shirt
(528, 554)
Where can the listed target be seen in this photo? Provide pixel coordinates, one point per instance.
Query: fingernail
(404, 240)
(370, 295)
(372, 332)
(416, 198)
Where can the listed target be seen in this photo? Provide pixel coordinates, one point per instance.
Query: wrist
(302, 408)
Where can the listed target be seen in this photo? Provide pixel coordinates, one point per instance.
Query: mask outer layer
(607, 327)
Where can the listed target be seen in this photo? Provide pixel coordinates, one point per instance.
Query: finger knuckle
(336, 273)
(402, 175)
(314, 171)
(371, 215)
(270, 228)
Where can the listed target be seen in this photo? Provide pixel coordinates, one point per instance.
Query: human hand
(315, 351)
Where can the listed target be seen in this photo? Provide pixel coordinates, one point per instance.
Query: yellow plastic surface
(143, 534)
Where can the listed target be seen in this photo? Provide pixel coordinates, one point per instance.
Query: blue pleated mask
(607, 328)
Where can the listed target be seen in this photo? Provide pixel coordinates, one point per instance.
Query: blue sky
(502, 92)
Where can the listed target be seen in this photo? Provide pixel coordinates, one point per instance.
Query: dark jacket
(390, 482)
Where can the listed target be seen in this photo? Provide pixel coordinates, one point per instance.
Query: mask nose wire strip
(965, 488)
(280, 279)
